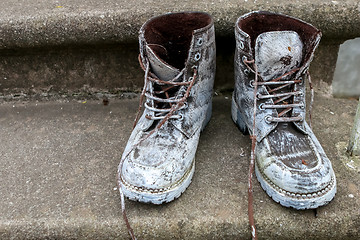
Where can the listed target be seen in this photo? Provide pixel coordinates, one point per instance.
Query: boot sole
(297, 200)
(159, 196)
(164, 195)
(286, 199)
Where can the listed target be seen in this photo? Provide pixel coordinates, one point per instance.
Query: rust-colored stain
(289, 48)
(304, 162)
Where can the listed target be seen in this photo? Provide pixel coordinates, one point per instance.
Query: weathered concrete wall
(61, 69)
(114, 67)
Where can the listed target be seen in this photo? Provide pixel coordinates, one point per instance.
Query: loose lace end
(123, 210)
(252, 158)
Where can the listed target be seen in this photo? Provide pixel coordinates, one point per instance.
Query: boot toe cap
(298, 181)
(158, 167)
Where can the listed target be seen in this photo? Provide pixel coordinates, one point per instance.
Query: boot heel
(208, 116)
(238, 118)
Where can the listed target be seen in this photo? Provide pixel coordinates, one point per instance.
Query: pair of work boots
(273, 54)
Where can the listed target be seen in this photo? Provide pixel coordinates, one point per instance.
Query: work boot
(177, 53)
(273, 54)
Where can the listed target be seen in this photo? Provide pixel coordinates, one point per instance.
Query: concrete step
(91, 46)
(60, 145)
(59, 161)
(34, 24)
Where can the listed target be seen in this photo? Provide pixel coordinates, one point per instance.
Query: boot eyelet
(302, 82)
(302, 106)
(190, 79)
(246, 71)
(261, 106)
(301, 94)
(241, 45)
(194, 67)
(199, 42)
(252, 83)
(197, 56)
(244, 58)
(181, 117)
(268, 119)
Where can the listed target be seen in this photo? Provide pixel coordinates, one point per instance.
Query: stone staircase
(60, 145)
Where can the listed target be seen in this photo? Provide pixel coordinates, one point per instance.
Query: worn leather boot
(273, 54)
(177, 53)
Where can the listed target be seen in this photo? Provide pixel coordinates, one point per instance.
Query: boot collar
(197, 39)
(250, 25)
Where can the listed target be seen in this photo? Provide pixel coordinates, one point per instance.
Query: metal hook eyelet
(148, 116)
(242, 45)
(302, 106)
(244, 58)
(268, 119)
(197, 56)
(252, 83)
(302, 82)
(261, 106)
(246, 71)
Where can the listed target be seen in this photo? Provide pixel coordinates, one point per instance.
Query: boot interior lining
(174, 33)
(261, 22)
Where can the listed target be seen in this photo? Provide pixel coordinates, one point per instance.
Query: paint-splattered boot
(273, 54)
(177, 53)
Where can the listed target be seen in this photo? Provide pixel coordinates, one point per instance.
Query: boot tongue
(277, 53)
(163, 70)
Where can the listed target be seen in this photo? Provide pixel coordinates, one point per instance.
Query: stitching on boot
(311, 195)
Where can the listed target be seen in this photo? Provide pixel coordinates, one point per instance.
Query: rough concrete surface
(31, 23)
(59, 162)
(100, 68)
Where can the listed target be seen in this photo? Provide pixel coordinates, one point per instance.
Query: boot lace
(277, 92)
(163, 103)
(161, 99)
(275, 88)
